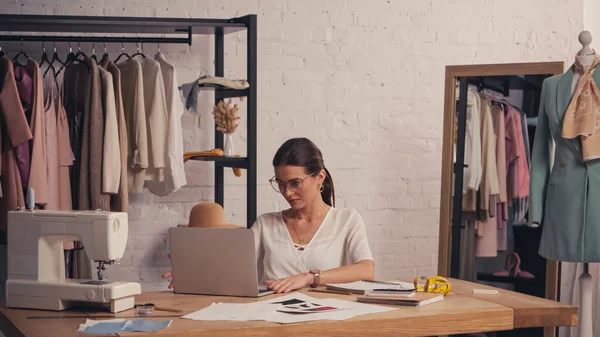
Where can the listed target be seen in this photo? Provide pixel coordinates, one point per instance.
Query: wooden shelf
(231, 93)
(235, 162)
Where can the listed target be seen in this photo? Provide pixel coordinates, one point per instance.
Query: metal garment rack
(50, 24)
(503, 86)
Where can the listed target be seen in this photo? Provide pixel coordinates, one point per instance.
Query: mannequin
(564, 191)
(585, 57)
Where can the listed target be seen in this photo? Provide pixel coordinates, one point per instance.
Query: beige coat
(135, 116)
(486, 241)
(120, 201)
(111, 157)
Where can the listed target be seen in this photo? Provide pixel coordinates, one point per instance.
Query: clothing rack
(110, 39)
(499, 84)
(188, 27)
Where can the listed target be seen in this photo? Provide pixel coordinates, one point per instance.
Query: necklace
(297, 218)
(307, 218)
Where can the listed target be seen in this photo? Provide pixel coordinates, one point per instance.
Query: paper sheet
(232, 312)
(112, 326)
(270, 310)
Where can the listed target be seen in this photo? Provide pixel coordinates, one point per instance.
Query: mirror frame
(453, 72)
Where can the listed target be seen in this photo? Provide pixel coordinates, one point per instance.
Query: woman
(312, 242)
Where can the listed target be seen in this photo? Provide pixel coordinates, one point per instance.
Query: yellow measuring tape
(435, 284)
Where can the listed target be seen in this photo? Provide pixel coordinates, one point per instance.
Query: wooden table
(460, 312)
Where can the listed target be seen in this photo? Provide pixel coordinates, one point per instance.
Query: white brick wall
(363, 79)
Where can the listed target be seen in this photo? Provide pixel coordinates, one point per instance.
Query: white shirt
(174, 176)
(473, 171)
(340, 240)
(157, 122)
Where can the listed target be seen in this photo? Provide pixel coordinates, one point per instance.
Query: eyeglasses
(293, 184)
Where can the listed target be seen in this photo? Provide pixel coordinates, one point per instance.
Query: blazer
(564, 200)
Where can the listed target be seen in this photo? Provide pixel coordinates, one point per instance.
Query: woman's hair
(304, 153)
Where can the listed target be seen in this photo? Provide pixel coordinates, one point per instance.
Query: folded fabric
(209, 153)
(190, 93)
(105, 328)
(116, 326)
(190, 90)
(223, 82)
(143, 325)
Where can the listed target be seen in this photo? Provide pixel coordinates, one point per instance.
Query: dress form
(585, 56)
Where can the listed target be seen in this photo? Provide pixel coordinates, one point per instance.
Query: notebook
(390, 293)
(417, 300)
(362, 287)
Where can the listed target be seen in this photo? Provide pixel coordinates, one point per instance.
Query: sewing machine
(36, 263)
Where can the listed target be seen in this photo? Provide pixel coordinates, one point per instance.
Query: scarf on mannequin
(582, 118)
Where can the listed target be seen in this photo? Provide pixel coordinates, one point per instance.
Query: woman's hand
(291, 283)
(168, 274)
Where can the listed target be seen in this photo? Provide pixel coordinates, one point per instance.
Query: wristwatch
(317, 277)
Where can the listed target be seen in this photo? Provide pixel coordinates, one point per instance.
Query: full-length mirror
(490, 115)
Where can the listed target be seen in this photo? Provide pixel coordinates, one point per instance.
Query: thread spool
(30, 198)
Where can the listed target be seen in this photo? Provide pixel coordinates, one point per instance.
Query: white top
(473, 172)
(340, 240)
(111, 153)
(174, 177)
(157, 122)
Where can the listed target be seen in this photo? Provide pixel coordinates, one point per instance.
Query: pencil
(331, 291)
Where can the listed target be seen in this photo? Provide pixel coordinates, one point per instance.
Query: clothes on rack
(119, 201)
(14, 132)
(84, 135)
(32, 156)
(467, 269)
(496, 140)
(174, 172)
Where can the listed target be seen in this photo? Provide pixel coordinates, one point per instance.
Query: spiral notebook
(362, 287)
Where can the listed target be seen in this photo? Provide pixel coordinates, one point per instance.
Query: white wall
(363, 79)
(590, 22)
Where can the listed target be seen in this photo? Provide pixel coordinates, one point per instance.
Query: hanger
(45, 59)
(72, 58)
(20, 53)
(94, 52)
(138, 52)
(56, 58)
(480, 87)
(123, 53)
(105, 55)
(70, 55)
(79, 52)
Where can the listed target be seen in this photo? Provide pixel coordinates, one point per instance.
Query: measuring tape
(435, 284)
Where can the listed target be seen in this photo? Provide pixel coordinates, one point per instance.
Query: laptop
(214, 261)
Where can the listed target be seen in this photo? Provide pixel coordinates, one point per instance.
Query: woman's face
(297, 186)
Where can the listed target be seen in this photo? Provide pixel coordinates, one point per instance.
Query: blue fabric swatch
(143, 325)
(139, 325)
(105, 328)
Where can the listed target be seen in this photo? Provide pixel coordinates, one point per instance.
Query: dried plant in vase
(226, 116)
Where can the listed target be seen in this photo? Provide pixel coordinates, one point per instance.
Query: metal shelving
(160, 27)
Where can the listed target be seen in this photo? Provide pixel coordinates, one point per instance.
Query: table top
(460, 312)
(529, 311)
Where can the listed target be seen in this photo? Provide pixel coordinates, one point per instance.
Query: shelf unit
(183, 29)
